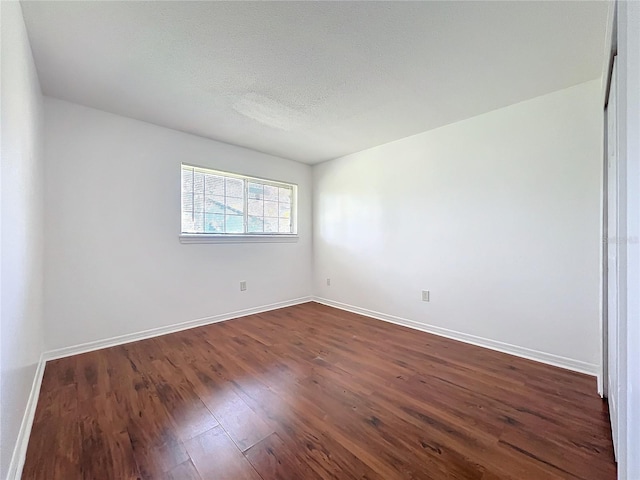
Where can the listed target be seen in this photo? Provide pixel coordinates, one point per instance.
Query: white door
(612, 258)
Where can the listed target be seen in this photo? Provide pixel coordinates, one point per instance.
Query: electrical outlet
(425, 295)
(328, 282)
(243, 286)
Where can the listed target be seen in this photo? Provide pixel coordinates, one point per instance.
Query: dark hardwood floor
(311, 392)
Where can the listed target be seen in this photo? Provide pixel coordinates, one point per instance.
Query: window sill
(204, 238)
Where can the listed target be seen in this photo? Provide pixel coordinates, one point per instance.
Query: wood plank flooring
(311, 392)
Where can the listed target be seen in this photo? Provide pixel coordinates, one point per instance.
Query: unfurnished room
(260, 240)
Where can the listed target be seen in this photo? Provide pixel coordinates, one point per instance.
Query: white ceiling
(311, 81)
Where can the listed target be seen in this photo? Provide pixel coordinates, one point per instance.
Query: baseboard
(538, 356)
(22, 442)
(156, 332)
(600, 384)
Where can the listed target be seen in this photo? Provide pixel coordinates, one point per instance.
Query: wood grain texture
(312, 392)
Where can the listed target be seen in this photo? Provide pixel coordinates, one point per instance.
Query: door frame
(611, 238)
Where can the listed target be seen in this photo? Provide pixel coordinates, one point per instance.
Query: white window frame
(243, 237)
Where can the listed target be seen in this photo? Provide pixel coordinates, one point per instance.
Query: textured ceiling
(311, 81)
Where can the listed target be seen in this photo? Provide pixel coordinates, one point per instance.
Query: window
(219, 203)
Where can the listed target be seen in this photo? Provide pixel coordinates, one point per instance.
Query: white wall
(498, 216)
(114, 264)
(628, 121)
(21, 327)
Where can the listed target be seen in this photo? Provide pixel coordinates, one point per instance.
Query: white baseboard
(156, 332)
(600, 383)
(20, 450)
(538, 356)
(19, 453)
